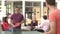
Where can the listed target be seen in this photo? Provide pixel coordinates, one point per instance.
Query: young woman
(5, 25)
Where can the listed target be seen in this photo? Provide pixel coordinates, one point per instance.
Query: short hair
(16, 7)
(4, 19)
(51, 2)
(9, 14)
(45, 17)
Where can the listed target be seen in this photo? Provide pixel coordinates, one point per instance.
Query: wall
(58, 5)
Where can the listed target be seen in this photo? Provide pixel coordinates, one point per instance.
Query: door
(37, 13)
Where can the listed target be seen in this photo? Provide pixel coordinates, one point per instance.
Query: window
(0, 6)
(45, 10)
(28, 3)
(8, 7)
(32, 9)
(28, 9)
(36, 4)
(19, 3)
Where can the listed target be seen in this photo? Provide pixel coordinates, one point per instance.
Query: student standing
(54, 17)
(17, 19)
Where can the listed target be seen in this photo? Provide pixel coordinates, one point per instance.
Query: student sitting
(44, 26)
(33, 24)
(5, 24)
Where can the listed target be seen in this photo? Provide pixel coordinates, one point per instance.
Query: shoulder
(46, 21)
(54, 12)
(12, 14)
(21, 14)
(52, 15)
(4, 22)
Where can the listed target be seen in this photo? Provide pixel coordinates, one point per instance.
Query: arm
(11, 20)
(41, 25)
(22, 19)
(52, 28)
(12, 23)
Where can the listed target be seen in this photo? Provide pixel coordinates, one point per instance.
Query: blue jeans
(16, 31)
(10, 30)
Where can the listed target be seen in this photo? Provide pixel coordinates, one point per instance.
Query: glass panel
(0, 7)
(0, 4)
(29, 16)
(36, 4)
(18, 3)
(8, 7)
(28, 4)
(28, 9)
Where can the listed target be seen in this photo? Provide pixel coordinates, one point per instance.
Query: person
(33, 23)
(17, 19)
(54, 17)
(8, 15)
(44, 26)
(5, 25)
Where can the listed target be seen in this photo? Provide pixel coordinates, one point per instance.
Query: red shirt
(5, 25)
(55, 15)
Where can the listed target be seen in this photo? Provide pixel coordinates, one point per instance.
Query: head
(16, 9)
(5, 19)
(44, 17)
(50, 3)
(8, 15)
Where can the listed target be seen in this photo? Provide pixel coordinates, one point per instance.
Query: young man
(54, 17)
(17, 19)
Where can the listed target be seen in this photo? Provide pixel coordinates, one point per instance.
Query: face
(16, 9)
(6, 19)
(33, 21)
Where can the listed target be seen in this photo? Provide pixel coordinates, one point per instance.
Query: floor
(23, 32)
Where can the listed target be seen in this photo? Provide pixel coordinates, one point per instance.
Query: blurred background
(31, 9)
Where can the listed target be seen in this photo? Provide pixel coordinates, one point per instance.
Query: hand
(36, 27)
(13, 26)
(17, 24)
(44, 33)
(10, 28)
